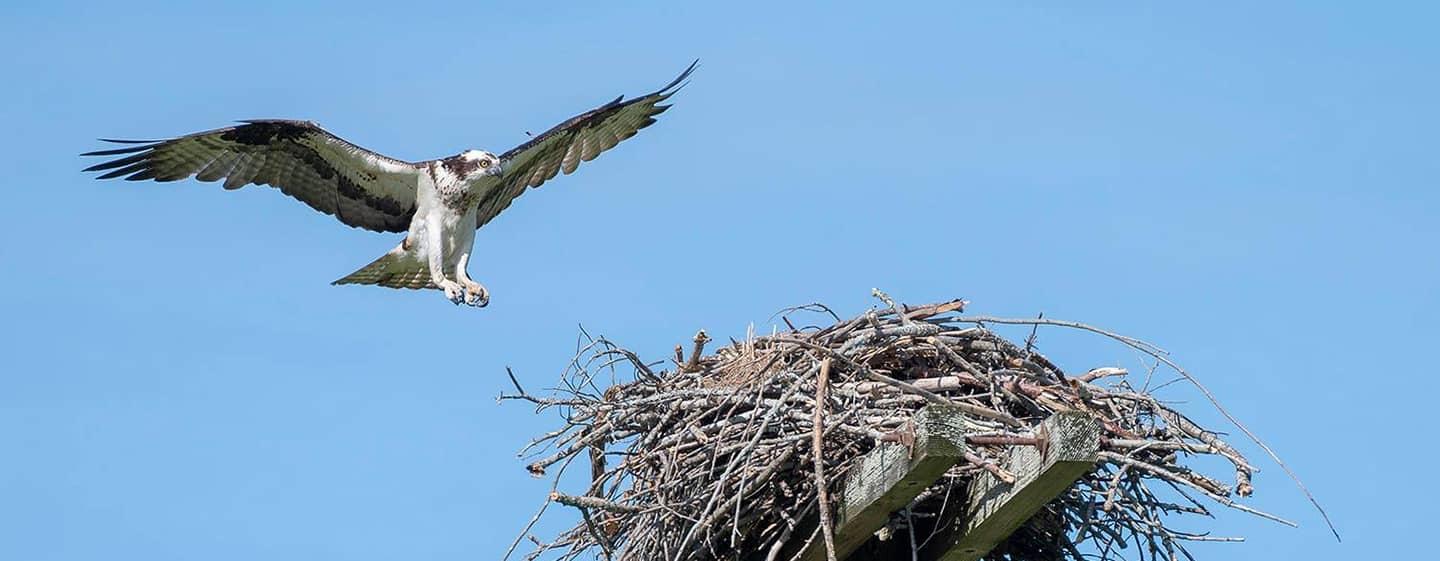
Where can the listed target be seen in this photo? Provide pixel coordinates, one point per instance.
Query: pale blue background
(1252, 187)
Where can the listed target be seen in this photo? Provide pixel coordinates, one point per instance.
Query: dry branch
(728, 455)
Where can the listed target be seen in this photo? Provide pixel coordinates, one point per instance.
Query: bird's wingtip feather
(127, 141)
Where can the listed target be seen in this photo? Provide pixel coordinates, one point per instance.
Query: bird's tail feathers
(399, 268)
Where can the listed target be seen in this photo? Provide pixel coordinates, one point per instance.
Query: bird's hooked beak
(496, 170)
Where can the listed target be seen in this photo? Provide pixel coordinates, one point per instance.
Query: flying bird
(439, 203)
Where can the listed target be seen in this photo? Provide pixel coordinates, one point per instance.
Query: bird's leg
(436, 260)
(475, 293)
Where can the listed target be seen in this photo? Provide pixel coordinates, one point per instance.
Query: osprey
(438, 203)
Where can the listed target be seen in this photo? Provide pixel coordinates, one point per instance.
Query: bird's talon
(476, 295)
(453, 291)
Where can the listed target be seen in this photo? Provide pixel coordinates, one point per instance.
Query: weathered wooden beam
(996, 509)
(890, 476)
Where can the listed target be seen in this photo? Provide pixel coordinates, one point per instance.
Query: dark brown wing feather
(579, 139)
(361, 188)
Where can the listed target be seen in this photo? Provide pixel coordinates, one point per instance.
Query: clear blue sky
(1252, 187)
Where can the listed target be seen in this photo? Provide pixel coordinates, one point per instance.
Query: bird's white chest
(444, 222)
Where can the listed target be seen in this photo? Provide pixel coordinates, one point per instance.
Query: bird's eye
(484, 163)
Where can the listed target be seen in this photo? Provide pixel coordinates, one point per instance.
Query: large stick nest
(714, 458)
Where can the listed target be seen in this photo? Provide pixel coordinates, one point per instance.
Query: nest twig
(724, 456)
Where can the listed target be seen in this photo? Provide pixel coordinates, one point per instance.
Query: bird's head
(473, 164)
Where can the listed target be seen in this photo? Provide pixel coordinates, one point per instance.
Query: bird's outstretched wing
(561, 149)
(361, 188)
